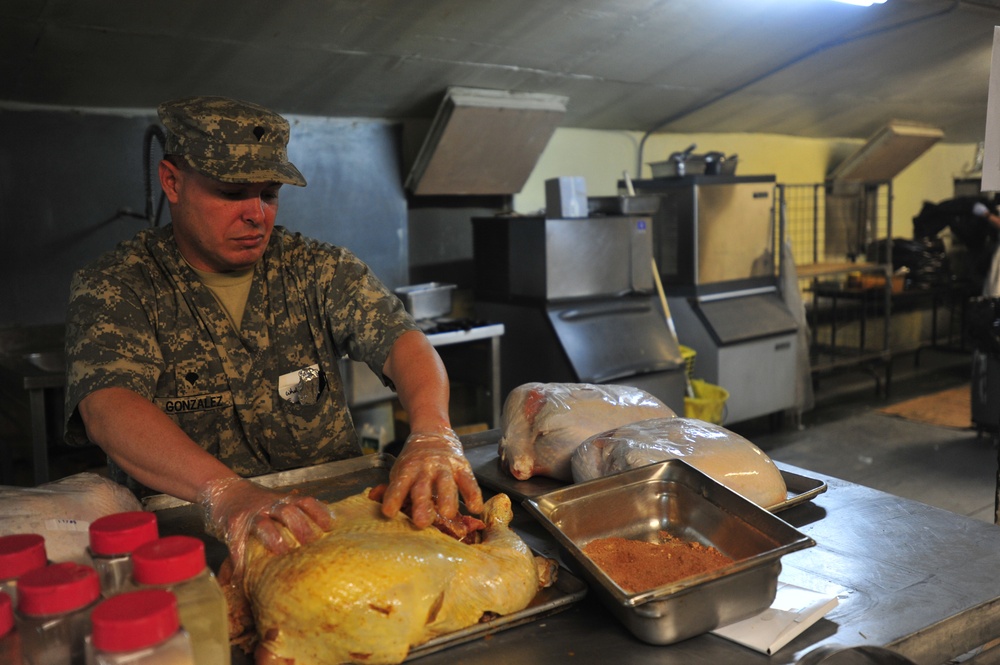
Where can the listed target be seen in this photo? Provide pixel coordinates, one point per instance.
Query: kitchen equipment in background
(566, 197)
(613, 206)
(427, 301)
(887, 152)
(746, 343)
(712, 232)
(535, 257)
(481, 142)
(681, 164)
(577, 304)
(714, 248)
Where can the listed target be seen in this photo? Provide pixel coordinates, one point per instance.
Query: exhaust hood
(890, 150)
(484, 142)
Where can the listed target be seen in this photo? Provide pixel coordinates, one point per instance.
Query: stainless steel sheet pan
(485, 461)
(338, 480)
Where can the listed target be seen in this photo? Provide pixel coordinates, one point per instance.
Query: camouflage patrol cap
(229, 140)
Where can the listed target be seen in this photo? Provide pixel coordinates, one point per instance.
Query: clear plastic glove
(431, 470)
(235, 508)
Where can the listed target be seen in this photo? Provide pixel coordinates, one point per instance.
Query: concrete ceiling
(811, 68)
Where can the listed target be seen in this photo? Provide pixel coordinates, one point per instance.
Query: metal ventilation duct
(484, 142)
(890, 150)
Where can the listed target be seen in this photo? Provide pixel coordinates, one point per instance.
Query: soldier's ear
(170, 176)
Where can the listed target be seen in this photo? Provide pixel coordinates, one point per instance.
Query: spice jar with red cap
(19, 553)
(53, 612)
(10, 640)
(140, 628)
(177, 564)
(112, 539)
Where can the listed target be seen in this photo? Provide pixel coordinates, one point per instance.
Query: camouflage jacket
(139, 318)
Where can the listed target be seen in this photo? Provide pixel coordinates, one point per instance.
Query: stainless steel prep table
(917, 579)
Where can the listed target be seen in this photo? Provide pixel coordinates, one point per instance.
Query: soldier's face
(219, 226)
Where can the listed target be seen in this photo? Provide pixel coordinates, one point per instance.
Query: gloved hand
(431, 469)
(980, 210)
(235, 508)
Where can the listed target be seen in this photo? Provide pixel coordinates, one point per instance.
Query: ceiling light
(862, 3)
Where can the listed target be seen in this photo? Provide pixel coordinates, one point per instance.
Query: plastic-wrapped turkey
(61, 511)
(373, 587)
(543, 423)
(717, 452)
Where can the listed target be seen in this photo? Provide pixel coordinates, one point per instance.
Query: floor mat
(948, 408)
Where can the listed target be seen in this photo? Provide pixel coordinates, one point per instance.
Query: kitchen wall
(601, 157)
(69, 177)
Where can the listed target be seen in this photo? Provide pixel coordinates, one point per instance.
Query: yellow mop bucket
(708, 403)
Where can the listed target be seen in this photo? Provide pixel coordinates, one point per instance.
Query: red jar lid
(168, 560)
(134, 620)
(121, 533)
(20, 553)
(57, 589)
(6, 614)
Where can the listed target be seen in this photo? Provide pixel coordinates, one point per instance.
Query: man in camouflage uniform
(207, 350)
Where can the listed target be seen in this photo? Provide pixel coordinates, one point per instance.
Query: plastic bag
(543, 423)
(61, 512)
(717, 452)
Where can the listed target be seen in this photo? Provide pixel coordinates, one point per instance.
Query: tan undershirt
(231, 289)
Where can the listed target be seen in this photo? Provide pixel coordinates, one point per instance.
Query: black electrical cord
(154, 131)
(840, 41)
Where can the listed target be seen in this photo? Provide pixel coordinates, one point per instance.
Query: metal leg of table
(495, 381)
(996, 500)
(39, 436)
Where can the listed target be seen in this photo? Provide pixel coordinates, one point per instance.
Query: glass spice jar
(140, 628)
(112, 540)
(53, 613)
(19, 553)
(10, 640)
(177, 564)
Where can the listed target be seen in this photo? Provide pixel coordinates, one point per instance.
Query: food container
(675, 497)
(684, 163)
(426, 301)
(645, 204)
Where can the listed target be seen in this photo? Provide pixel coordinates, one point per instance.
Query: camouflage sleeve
(366, 317)
(110, 342)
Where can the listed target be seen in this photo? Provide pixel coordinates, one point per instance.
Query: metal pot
(714, 162)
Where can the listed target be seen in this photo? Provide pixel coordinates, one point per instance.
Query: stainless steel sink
(48, 361)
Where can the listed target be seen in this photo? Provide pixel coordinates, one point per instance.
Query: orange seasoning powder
(637, 565)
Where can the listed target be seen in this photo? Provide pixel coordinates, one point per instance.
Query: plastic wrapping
(432, 470)
(61, 512)
(717, 452)
(237, 507)
(370, 585)
(543, 423)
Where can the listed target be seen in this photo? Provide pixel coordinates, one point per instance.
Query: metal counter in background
(470, 351)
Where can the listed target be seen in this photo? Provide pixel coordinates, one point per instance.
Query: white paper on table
(794, 609)
(991, 150)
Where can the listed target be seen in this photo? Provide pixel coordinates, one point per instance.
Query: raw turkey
(61, 511)
(543, 423)
(374, 587)
(717, 452)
